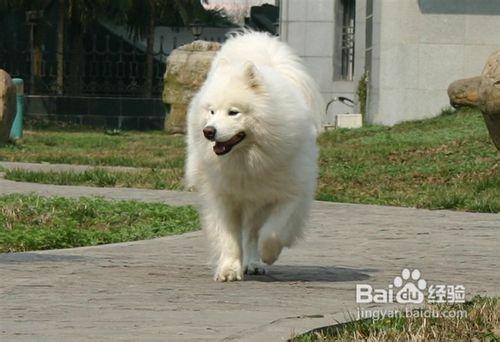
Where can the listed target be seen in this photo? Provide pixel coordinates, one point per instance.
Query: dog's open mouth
(223, 147)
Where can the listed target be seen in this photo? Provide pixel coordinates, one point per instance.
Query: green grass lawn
(481, 324)
(146, 178)
(35, 223)
(447, 162)
(139, 149)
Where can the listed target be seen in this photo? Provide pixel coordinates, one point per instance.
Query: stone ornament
(482, 92)
(187, 68)
(7, 105)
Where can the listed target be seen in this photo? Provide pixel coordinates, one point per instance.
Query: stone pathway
(166, 196)
(162, 289)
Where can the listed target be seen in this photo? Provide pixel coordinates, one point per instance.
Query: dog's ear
(252, 76)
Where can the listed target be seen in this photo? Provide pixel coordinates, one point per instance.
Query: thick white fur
(256, 198)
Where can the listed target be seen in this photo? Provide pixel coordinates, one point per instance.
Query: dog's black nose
(209, 132)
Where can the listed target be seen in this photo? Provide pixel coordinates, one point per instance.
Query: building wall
(349, 88)
(420, 47)
(309, 27)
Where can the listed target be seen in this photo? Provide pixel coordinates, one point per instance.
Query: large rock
(482, 92)
(465, 92)
(187, 68)
(7, 105)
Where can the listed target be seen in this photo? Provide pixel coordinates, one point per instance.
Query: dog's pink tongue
(219, 148)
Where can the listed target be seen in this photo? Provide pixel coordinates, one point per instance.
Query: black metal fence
(103, 81)
(102, 65)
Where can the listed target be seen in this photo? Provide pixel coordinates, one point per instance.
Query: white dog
(252, 151)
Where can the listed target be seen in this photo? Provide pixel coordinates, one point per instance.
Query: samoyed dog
(252, 153)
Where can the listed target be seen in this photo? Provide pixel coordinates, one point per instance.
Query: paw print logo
(410, 286)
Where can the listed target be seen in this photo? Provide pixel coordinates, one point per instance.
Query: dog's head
(230, 98)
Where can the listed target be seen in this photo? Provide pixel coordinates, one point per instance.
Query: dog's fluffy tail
(312, 95)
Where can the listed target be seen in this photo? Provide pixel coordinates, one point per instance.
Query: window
(347, 15)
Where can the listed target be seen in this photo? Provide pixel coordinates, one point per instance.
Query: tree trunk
(182, 8)
(74, 86)
(60, 46)
(148, 85)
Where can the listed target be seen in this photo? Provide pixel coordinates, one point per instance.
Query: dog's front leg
(280, 230)
(252, 221)
(223, 226)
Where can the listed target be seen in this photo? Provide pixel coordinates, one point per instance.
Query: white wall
(309, 27)
(420, 47)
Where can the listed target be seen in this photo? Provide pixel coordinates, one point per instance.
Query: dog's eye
(233, 112)
(212, 112)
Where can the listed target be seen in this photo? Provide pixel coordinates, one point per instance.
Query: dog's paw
(270, 249)
(255, 268)
(229, 271)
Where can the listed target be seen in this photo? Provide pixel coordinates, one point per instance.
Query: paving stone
(162, 289)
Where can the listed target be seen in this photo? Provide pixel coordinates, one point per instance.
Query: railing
(348, 52)
(100, 66)
(103, 80)
(348, 8)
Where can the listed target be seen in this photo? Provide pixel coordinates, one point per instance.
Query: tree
(37, 29)
(72, 16)
(141, 17)
(61, 13)
(80, 14)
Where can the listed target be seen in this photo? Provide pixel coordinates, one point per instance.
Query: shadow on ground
(288, 273)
